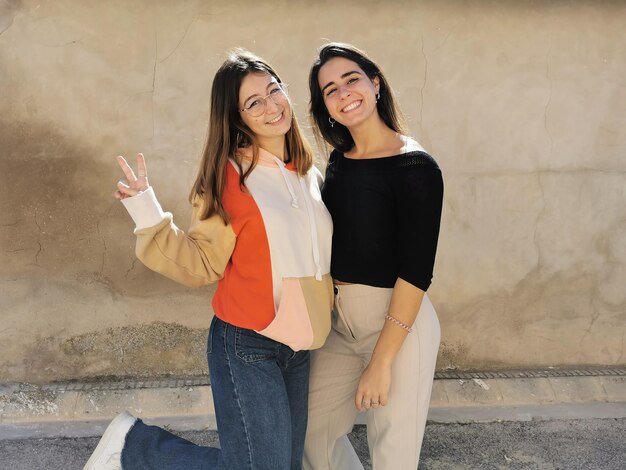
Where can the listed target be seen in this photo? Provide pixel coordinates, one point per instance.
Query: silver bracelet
(398, 322)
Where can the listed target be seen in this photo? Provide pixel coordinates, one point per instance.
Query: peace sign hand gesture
(133, 184)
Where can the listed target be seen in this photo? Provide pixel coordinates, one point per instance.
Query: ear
(376, 82)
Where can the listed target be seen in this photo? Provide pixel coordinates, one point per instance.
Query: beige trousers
(395, 431)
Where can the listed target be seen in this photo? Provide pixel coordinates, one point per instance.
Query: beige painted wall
(523, 103)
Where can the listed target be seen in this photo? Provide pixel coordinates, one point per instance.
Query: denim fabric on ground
(260, 391)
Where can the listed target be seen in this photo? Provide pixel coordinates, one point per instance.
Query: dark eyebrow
(342, 76)
(273, 82)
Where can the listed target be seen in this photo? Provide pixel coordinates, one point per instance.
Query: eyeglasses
(255, 107)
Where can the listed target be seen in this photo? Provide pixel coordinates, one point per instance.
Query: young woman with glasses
(259, 228)
(384, 193)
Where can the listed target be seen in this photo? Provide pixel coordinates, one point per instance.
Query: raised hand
(132, 185)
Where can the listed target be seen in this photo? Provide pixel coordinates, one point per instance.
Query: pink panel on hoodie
(291, 326)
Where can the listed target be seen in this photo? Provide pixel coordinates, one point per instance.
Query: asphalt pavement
(548, 444)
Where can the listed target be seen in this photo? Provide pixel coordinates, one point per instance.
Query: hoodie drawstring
(310, 212)
(283, 171)
(313, 225)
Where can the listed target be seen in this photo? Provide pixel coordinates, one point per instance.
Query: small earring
(377, 96)
(332, 121)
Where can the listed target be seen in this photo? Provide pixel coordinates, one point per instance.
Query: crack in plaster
(104, 243)
(37, 223)
(37, 254)
(128, 98)
(12, 224)
(38, 241)
(612, 262)
(539, 216)
(181, 39)
(154, 69)
(104, 246)
(443, 43)
(545, 111)
(131, 268)
(150, 91)
(69, 43)
(7, 28)
(14, 251)
(423, 84)
(8, 11)
(587, 331)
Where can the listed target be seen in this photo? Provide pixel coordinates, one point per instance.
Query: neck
(370, 137)
(274, 145)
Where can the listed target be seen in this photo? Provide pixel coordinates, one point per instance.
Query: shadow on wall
(56, 214)
(68, 272)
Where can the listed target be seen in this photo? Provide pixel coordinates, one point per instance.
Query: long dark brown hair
(227, 133)
(337, 134)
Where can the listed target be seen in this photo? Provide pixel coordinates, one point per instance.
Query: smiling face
(349, 94)
(275, 121)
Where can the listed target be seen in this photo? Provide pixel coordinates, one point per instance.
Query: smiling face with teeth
(275, 122)
(349, 94)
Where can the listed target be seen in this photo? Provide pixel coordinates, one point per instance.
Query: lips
(351, 106)
(276, 119)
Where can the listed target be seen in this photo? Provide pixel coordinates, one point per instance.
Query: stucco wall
(523, 104)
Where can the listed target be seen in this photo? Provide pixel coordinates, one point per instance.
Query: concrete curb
(75, 410)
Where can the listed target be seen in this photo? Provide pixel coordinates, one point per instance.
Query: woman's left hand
(373, 390)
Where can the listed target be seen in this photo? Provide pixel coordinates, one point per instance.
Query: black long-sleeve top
(386, 214)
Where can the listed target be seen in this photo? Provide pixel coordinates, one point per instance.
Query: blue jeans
(260, 390)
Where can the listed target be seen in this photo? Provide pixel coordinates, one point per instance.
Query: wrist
(398, 323)
(381, 359)
(144, 208)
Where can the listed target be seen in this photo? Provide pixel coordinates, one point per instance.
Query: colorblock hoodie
(271, 262)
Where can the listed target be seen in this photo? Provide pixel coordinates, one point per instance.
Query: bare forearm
(373, 389)
(404, 307)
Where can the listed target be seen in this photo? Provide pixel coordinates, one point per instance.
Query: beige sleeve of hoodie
(195, 258)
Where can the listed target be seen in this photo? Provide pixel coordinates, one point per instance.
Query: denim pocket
(251, 347)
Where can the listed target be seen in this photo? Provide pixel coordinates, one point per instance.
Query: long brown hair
(227, 133)
(337, 134)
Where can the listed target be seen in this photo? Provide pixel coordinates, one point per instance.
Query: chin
(352, 122)
(284, 129)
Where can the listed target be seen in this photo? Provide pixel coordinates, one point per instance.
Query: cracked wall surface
(523, 104)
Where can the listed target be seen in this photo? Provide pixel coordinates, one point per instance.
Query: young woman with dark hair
(384, 193)
(259, 228)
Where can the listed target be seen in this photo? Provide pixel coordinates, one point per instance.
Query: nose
(271, 106)
(344, 92)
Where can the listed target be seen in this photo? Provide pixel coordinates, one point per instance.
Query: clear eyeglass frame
(258, 105)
